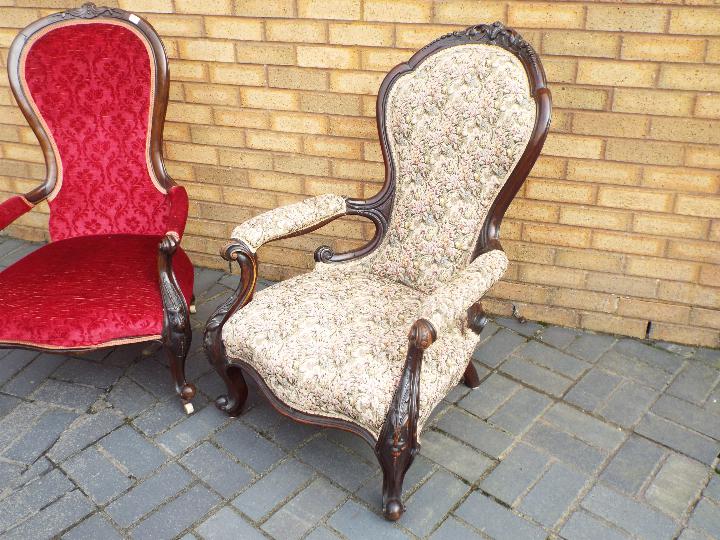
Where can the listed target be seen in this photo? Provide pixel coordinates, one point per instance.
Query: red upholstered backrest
(92, 84)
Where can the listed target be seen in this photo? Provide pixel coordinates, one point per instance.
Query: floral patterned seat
(371, 341)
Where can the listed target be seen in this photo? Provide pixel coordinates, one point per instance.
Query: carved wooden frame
(176, 333)
(397, 444)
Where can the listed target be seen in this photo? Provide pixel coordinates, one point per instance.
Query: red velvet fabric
(86, 292)
(179, 206)
(12, 209)
(92, 84)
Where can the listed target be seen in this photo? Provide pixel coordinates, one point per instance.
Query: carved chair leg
(233, 402)
(471, 378)
(176, 355)
(394, 465)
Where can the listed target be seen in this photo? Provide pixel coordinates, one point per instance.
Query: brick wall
(274, 100)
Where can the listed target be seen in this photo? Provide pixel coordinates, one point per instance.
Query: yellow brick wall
(274, 100)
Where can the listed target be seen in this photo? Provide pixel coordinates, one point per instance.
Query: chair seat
(87, 292)
(333, 343)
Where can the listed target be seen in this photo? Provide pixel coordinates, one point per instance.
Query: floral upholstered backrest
(456, 126)
(91, 83)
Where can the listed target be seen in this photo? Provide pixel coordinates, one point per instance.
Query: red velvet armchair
(93, 85)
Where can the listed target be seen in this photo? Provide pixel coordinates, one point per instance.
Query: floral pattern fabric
(334, 342)
(288, 219)
(91, 84)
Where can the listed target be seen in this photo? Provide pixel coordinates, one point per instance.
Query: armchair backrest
(461, 125)
(92, 83)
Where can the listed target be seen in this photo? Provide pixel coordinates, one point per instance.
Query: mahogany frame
(176, 333)
(397, 444)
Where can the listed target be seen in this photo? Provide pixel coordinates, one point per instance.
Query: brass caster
(189, 409)
(193, 309)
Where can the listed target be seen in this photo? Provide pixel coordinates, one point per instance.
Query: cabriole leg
(471, 378)
(176, 354)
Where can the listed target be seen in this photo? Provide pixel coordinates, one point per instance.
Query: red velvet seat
(87, 292)
(93, 85)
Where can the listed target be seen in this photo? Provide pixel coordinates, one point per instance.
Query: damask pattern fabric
(92, 85)
(87, 291)
(456, 125)
(12, 209)
(333, 343)
(288, 219)
(447, 306)
(179, 206)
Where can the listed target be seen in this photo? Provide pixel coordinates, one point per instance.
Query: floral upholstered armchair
(461, 124)
(93, 84)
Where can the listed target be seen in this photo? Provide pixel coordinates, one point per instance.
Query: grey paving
(571, 435)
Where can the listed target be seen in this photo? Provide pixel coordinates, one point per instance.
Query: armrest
(12, 209)
(450, 303)
(288, 220)
(179, 205)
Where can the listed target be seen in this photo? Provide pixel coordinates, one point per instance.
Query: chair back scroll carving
(93, 84)
(461, 125)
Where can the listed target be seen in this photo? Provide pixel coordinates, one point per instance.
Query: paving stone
(130, 398)
(96, 475)
(272, 489)
(495, 350)
(584, 526)
(228, 525)
(536, 376)
(590, 347)
(68, 395)
(41, 436)
(635, 369)
(712, 490)
(261, 417)
(336, 463)
(94, 528)
(552, 359)
(322, 533)
(194, 428)
(585, 427)
(33, 375)
(688, 415)
(677, 484)
(628, 404)
(8, 472)
(13, 362)
(454, 456)
(177, 515)
(453, 529)
(36, 470)
(706, 517)
(300, 514)
(651, 355)
(353, 443)
(153, 376)
(564, 447)
(133, 452)
(427, 507)
(20, 420)
(593, 389)
(249, 447)
(33, 497)
(122, 356)
(217, 470)
(693, 534)
(709, 356)
(148, 495)
(420, 471)
(678, 438)
(695, 382)
(87, 429)
(80, 371)
(57, 517)
(526, 328)
(550, 498)
(515, 474)
(632, 465)
(475, 432)
(160, 418)
(490, 395)
(497, 521)
(629, 515)
(558, 336)
(520, 411)
(358, 523)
